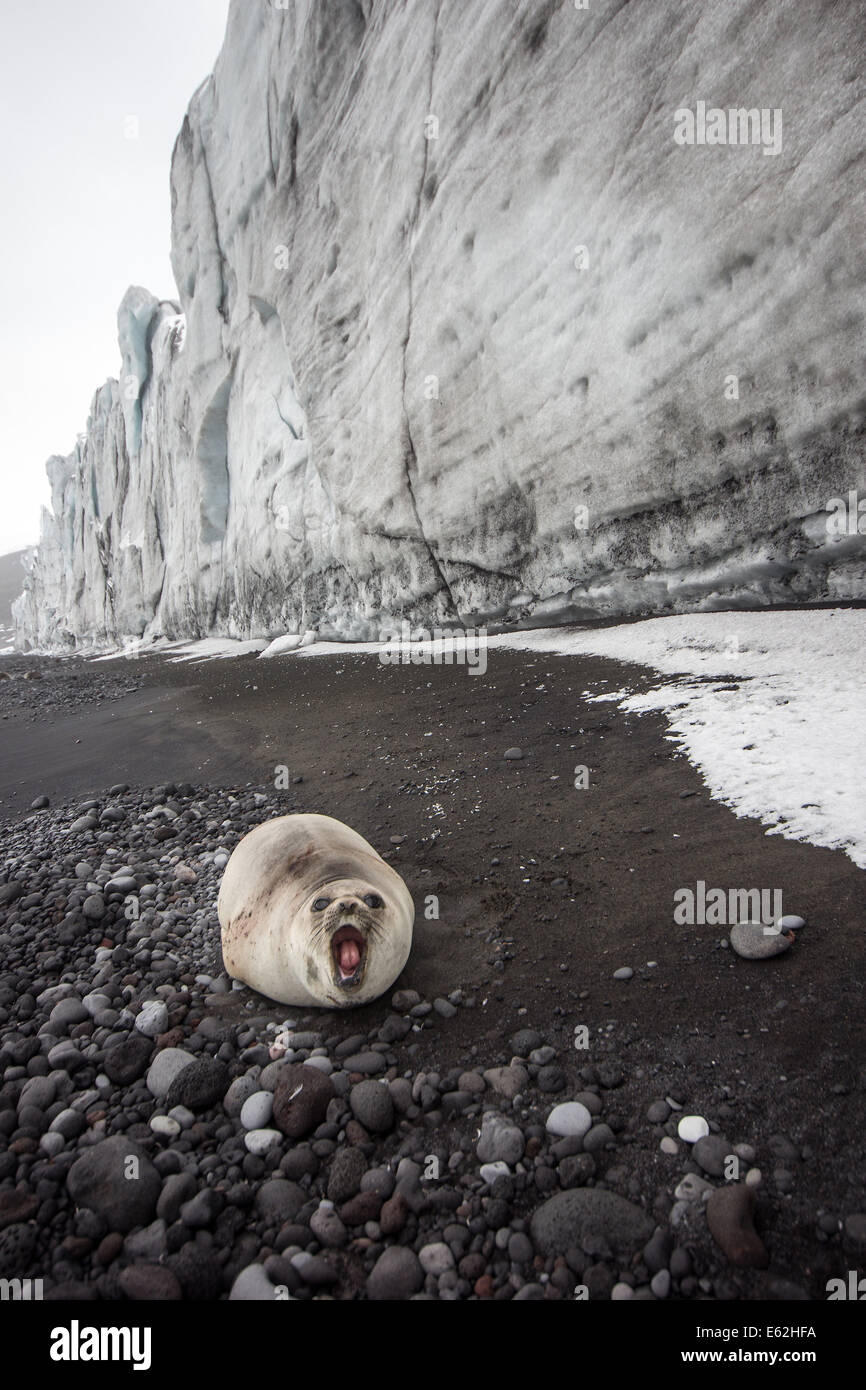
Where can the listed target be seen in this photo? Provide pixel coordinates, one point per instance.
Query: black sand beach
(543, 889)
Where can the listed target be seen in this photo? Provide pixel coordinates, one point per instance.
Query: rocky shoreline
(406, 1150)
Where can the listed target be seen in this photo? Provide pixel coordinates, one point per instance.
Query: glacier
(464, 334)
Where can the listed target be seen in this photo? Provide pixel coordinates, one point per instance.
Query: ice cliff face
(465, 331)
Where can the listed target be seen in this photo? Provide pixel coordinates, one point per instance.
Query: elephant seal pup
(311, 914)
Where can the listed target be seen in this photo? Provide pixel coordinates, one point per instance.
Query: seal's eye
(320, 904)
(373, 900)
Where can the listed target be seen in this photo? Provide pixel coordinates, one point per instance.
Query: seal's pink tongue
(349, 956)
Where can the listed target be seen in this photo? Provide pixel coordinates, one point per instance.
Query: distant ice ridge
(459, 335)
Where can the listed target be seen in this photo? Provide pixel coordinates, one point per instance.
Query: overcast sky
(86, 209)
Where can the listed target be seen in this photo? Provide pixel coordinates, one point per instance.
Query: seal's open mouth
(348, 949)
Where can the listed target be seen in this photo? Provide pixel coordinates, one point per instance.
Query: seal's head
(311, 914)
(347, 921)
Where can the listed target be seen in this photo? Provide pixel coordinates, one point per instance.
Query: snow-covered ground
(770, 707)
(204, 649)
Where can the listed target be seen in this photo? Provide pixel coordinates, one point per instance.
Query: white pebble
(491, 1171)
(625, 972)
(669, 1146)
(164, 1124)
(571, 1119)
(791, 923)
(257, 1109)
(753, 1177)
(621, 1293)
(258, 1141)
(691, 1128)
(152, 1019)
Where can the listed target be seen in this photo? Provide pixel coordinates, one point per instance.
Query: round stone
(598, 1138)
(712, 1152)
(691, 1128)
(165, 1125)
(258, 1141)
(200, 1086)
(166, 1065)
(658, 1112)
(327, 1227)
(491, 1171)
(257, 1109)
(67, 1012)
(569, 1218)
(373, 1106)
(69, 1122)
(436, 1258)
(240, 1091)
(752, 942)
(153, 1018)
(791, 923)
(301, 1098)
(500, 1140)
(513, 754)
(625, 972)
(116, 1179)
(397, 1274)
(570, 1120)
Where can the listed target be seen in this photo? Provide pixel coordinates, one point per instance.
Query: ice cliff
(465, 331)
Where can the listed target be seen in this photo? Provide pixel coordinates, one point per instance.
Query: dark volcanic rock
(116, 1179)
(127, 1060)
(200, 1085)
(571, 1217)
(17, 1247)
(301, 1098)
